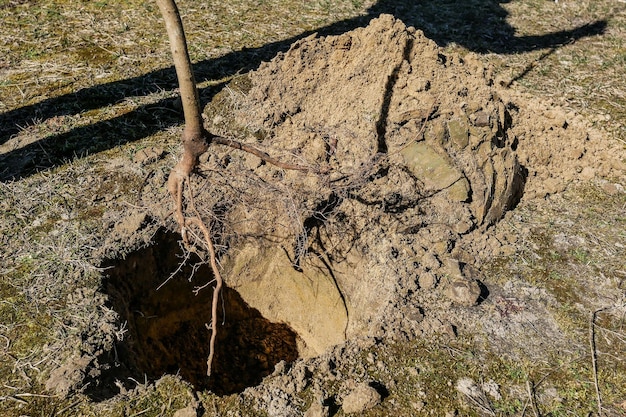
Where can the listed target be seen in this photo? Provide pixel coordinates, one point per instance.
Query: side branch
(263, 155)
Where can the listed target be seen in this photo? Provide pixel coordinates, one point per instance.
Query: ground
(488, 281)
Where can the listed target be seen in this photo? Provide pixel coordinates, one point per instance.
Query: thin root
(176, 186)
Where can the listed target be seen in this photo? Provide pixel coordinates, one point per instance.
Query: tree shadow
(478, 25)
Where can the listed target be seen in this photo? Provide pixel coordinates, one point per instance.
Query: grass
(423, 375)
(575, 252)
(84, 83)
(570, 75)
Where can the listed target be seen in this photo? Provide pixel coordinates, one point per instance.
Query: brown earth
(420, 155)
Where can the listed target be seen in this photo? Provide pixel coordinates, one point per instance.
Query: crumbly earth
(413, 229)
(420, 156)
(415, 155)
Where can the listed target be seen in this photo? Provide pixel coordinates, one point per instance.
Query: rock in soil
(360, 399)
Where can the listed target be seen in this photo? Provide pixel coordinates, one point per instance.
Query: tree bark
(196, 141)
(195, 138)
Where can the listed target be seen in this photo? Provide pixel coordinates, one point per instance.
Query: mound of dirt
(412, 154)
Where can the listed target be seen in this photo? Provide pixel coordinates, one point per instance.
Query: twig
(28, 394)
(199, 288)
(180, 267)
(525, 407)
(481, 403)
(594, 358)
(14, 398)
(531, 397)
(8, 342)
(72, 405)
(141, 412)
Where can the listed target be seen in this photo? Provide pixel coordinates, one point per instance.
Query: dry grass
(585, 74)
(84, 83)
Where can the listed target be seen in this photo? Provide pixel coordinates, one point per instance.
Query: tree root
(196, 141)
(177, 184)
(264, 156)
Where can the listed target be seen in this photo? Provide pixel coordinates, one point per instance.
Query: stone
(433, 169)
(362, 398)
(462, 288)
(418, 405)
(458, 132)
(468, 387)
(267, 281)
(611, 189)
(459, 191)
(481, 119)
(317, 409)
(430, 261)
(465, 292)
(427, 280)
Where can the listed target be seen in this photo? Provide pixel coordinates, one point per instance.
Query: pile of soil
(414, 155)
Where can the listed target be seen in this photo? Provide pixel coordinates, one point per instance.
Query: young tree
(196, 140)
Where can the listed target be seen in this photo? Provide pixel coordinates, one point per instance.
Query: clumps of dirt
(558, 147)
(384, 100)
(414, 156)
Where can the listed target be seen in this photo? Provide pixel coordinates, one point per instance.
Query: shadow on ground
(479, 26)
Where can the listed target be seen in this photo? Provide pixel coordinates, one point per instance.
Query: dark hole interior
(167, 328)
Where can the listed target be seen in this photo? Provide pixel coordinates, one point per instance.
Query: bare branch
(263, 155)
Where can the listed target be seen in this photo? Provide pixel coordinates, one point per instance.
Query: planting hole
(167, 324)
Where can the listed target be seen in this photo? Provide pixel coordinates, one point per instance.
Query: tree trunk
(196, 141)
(195, 138)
